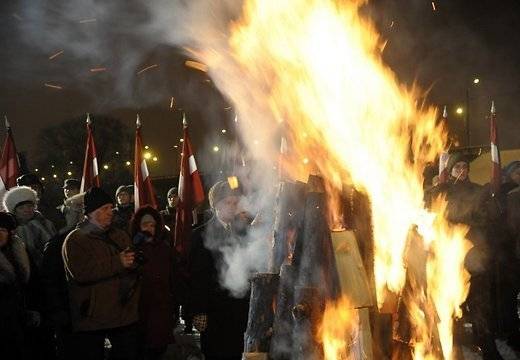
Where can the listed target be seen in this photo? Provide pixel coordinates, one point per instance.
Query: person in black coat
(14, 275)
(220, 317)
(124, 209)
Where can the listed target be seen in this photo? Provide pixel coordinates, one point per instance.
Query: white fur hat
(17, 195)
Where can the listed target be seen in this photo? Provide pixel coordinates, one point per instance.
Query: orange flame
(314, 69)
(338, 331)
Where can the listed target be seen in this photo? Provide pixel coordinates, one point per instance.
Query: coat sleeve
(83, 265)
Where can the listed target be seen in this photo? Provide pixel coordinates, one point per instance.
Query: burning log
(257, 338)
(291, 197)
(281, 345)
(309, 305)
(317, 263)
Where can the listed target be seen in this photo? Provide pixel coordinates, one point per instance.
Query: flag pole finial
(493, 110)
(138, 122)
(184, 121)
(7, 125)
(89, 122)
(445, 112)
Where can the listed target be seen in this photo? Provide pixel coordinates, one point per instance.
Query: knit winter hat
(173, 191)
(18, 195)
(7, 221)
(95, 198)
(220, 191)
(147, 218)
(123, 188)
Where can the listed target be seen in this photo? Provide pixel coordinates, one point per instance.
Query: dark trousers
(90, 345)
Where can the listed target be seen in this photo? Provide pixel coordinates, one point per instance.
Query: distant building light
(105, 166)
(36, 170)
(128, 163)
(224, 131)
(181, 140)
(117, 152)
(43, 179)
(146, 147)
(216, 148)
(69, 173)
(54, 176)
(155, 158)
(147, 155)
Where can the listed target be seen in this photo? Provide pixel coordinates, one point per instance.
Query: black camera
(139, 239)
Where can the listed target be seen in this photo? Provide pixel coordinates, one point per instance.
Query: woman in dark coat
(14, 275)
(155, 256)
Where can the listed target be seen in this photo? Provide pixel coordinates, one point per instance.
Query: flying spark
(172, 102)
(53, 86)
(56, 55)
(147, 68)
(196, 65)
(99, 69)
(85, 21)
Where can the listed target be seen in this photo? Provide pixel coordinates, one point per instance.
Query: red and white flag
(444, 157)
(144, 193)
(90, 176)
(191, 193)
(9, 163)
(496, 175)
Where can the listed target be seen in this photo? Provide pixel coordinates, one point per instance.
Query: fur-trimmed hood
(17, 195)
(7, 270)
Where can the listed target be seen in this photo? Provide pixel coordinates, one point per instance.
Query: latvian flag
(90, 176)
(496, 176)
(191, 193)
(9, 164)
(143, 189)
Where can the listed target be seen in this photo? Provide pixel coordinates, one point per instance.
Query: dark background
(441, 50)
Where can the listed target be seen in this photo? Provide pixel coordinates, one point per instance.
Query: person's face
(173, 200)
(102, 216)
(25, 212)
(149, 227)
(227, 208)
(515, 176)
(4, 237)
(460, 171)
(123, 198)
(70, 191)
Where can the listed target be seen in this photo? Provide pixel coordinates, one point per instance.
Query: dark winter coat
(513, 219)
(468, 204)
(14, 274)
(156, 307)
(103, 294)
(54, 283)
(226, 315)
(122, 217)
(35, 233)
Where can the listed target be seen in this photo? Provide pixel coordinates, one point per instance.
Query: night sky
(442, 50)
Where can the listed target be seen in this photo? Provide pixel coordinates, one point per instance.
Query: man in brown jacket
(103, 283)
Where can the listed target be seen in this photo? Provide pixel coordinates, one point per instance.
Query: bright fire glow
(338, 331)
(314, 67)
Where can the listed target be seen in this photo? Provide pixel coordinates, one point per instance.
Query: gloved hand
(200, 322)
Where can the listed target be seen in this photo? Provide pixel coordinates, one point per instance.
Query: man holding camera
(103, 283)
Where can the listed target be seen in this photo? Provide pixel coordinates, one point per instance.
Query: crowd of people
(102, 281)
(90, 280)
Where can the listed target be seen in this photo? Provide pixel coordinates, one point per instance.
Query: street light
(216, 148)
(69, 173)
(155, 158)
(224, 131)
(459, 111)
(105, 166)
(128, 163)
(147, 155)
(476, 81)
